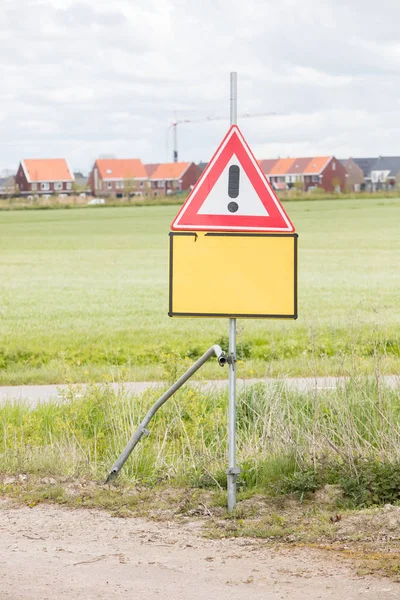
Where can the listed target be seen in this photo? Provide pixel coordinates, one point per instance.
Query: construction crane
(177, 122)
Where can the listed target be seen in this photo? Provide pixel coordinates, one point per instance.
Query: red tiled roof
(121, 168)
(266, 164)
(298, 166)
(281, 166)
(292, 166)
(316, 165)
(47, 169)
(151, 168)
(168, 171)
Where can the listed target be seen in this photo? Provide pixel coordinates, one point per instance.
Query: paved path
(43, 393)
(51, 553)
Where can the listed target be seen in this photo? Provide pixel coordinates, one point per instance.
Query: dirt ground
(51, 552)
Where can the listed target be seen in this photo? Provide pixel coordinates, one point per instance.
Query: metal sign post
(233, 212)
(232, 471)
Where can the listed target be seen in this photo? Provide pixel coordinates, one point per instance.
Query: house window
(333, 166)
(315, 179)
(109, 185)
(58, 185)
(160, 184)
(34, 187)
(69, 185)
(44, 187)
(141, 184)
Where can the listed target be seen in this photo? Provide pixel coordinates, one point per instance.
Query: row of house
(116, 177)
(330, 174)
(324, 172)
(372, 174)
(108, 177)
(130, 177)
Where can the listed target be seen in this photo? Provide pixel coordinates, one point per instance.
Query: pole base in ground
(231, 487)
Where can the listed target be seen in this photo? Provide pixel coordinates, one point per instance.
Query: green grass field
(84, 297)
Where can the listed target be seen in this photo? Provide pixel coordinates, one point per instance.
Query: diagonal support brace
(142, 429)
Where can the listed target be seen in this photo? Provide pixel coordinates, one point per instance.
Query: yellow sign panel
(233, 275)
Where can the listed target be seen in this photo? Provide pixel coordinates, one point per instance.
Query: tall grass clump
(287, 441)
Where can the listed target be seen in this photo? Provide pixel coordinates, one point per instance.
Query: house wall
(92, 180)
(111, 187)
(389, 184)
(52, 187)
(20, 180)
(165, 187)
(333, 176)
(355, 177)
(277, 179)
(190, 177)
(311, 181)
(123, 187)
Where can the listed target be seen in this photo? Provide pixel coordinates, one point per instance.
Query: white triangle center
(246, 203)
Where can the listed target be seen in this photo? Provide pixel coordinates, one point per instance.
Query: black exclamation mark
(233, 187)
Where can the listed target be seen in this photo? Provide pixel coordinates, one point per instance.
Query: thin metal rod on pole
(175, 141)
(141, 430)
(233, 98)
(233, 471)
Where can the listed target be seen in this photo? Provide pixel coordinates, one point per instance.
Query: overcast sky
(80, 79)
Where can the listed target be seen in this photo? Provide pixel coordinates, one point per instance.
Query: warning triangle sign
(233, 194)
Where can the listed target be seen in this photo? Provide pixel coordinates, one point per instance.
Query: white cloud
(84, 78)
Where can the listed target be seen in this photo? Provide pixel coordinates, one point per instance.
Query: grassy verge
(288, 442)
(56, 203)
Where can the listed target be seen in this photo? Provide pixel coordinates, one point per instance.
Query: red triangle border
(188, 218)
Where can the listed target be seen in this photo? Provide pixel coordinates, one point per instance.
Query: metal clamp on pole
(233, 471)
(231, 360)
(142, 429)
